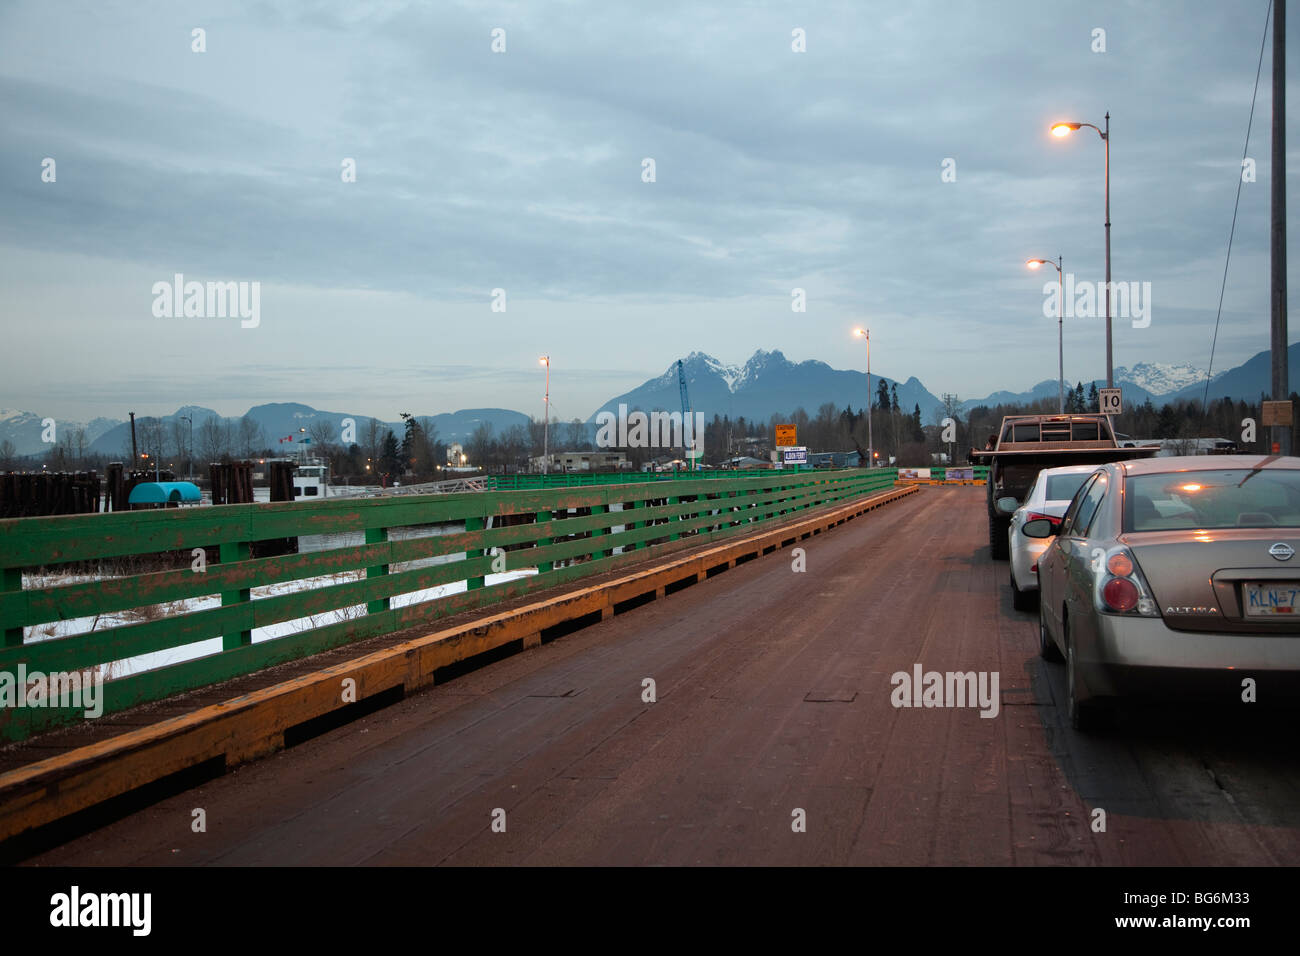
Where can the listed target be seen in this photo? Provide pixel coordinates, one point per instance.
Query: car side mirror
(1006, 506)
(1039, 528)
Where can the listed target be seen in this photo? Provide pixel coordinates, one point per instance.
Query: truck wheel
(998, 538)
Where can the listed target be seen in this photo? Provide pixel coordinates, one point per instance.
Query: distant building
(1173, 447)
(581, 461)
(833, 459)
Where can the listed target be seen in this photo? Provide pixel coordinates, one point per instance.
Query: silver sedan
(1175, 576)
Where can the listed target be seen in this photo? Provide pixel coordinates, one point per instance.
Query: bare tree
(577, 435)
(323, 433)
(7, 454)
(536, 436)
(514, 445)
(372, 438)
(78, 442)
(252, 437)
(821, 430)
(479, 446)
(213, 439)
(179, 432)
(152, 434)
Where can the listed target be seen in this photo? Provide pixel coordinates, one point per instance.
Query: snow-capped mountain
(26, 430)
(1159, 378)
(767, 384)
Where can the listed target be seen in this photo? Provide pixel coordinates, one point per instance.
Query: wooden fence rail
(61, 621)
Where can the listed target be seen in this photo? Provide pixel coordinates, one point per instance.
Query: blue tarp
(158, 492)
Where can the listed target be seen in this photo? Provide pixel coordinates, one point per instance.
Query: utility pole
(546, 424)
(1281, 390)
(950, 408)
(1110, 355)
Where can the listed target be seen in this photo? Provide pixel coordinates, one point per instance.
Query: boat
(311, 478)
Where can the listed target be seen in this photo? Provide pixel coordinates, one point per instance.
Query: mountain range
(277, 420)
(767, 384)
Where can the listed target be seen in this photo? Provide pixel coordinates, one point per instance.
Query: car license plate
(1267, 599)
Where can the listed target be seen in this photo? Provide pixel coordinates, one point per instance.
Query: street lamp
(1060, 323)
(546, 425)
(190, 419)
(871, 457)
(1061, 130)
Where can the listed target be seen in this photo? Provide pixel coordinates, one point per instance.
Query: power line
(1205, 398)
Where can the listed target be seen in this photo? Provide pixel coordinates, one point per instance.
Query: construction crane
(686, 415)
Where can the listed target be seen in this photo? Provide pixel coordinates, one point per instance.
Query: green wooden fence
(70, 600)
(571, 479)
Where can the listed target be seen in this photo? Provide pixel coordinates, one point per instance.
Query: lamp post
(546, 425)
(1065, 129)
(871, 452)
(1060, 324)
(190, 419)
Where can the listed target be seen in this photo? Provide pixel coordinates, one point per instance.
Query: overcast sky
(523, 170)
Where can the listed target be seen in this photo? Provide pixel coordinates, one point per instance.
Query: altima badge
(1282, 551)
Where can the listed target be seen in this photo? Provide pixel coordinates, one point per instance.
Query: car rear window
(1236, 498)
(1016, 479)
(1063, 487)
(1087, 431)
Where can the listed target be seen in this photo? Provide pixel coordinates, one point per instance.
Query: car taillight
(1121, 588)
(1120, 594)
(1034, 514)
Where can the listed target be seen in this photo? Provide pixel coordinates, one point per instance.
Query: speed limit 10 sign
(1109, 399)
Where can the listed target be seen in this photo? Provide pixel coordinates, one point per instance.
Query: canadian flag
(286, 438)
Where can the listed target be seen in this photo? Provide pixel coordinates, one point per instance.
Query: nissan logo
(1282, 551)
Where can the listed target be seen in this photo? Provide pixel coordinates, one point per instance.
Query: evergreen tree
(390, 459)
(893, 396)
(882, 396)
(410, 440)
(1094, 400)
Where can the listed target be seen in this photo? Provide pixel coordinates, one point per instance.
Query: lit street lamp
(546, 425)
(1060, 323)
(1061, 130)
(871, 456)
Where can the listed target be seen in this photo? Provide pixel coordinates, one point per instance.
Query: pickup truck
(1026, 444)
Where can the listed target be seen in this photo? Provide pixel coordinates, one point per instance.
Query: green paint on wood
(699, 510)
(235, 551)
(471, 525)
(376, 536)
